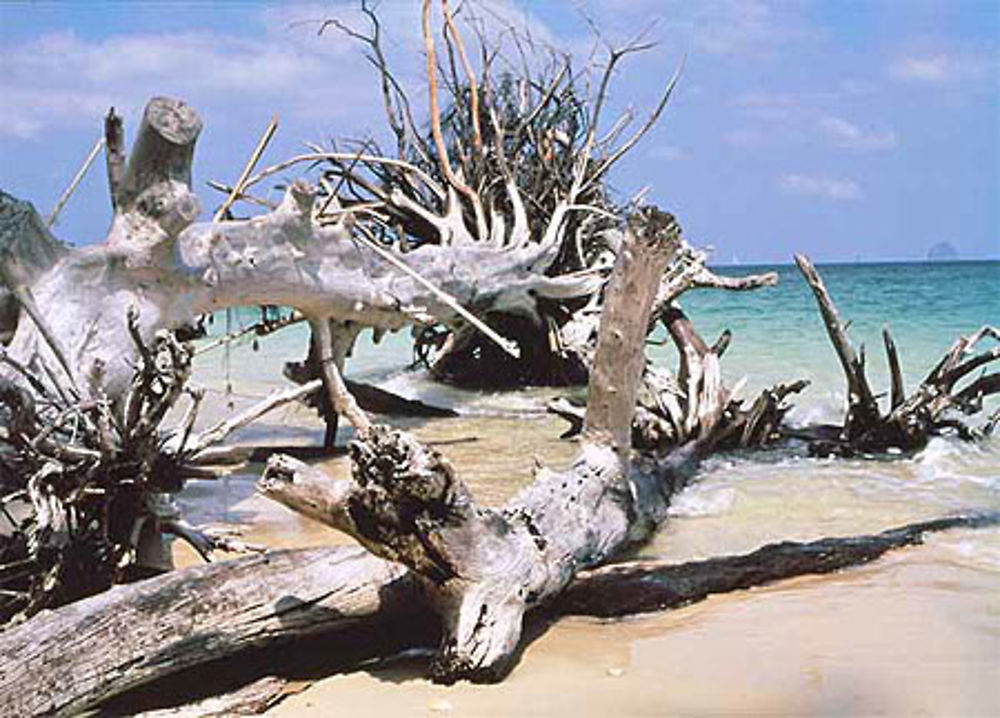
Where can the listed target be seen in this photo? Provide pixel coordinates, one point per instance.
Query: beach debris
(502, 210)
(908, 422)
(85, 482)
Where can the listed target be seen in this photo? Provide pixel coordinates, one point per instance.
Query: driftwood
(344, 267)
(80, 656)
(85, 484)
(173, 271)
(370, 398)
(904, 426)
(483, 568)
(909, 422)
(693, 403)
(502, 209)
(515, 153)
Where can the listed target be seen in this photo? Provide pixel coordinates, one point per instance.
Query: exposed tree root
(909, 422)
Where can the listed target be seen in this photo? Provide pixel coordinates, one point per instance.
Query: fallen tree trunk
(82, 654)
(484, 568)
(79, 656)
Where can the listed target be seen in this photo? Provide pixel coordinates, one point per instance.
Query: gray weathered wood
(114, 154)
(910, 421)
(863, 408)
(78, 656)
(484, 568)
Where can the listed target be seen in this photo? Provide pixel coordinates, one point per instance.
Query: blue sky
(845, 129)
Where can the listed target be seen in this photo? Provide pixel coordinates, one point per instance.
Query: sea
(914, 633)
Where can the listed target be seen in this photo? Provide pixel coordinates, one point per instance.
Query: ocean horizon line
(859, 262)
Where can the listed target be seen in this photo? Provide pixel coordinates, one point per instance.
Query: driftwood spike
(114, 148)
(863, 410)
(897, 393)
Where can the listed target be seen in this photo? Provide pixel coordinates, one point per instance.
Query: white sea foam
(698, 501)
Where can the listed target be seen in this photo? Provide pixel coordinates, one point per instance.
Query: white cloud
(278, 62)
(668, 153)
(941, 68)
(826, 187)
(718, 27)
(847, 134)
(62, 80)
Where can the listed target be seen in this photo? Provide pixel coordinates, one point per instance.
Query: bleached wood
(171, 270)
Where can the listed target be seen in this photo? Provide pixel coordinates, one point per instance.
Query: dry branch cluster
(80, 482)
(514, 157)
(910, 421)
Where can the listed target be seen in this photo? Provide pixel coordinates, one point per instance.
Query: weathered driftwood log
(79, 656)
(508, 157)
(909, 422)
(483, 568)
(82, 654)
(172, 271)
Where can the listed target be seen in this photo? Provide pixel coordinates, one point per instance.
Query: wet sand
(915, 633)
(892, 639)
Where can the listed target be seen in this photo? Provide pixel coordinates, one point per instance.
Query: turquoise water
(777, 333)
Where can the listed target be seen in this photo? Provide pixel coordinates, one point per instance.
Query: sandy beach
(915, 633)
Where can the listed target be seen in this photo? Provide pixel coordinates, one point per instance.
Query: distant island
(942, 252)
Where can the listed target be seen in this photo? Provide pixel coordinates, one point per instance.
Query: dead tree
(332, 259)
(909, 422)
(484, 568)
(466, 572)
(345, 257)
(677, 407)
(516, 154)
(172, 270)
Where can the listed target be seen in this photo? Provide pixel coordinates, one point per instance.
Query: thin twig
(75, 182)
(241, 183)
(504, 343)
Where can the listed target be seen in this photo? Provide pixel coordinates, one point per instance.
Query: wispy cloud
(668, 153)
(849, 135)
(826, 187)
(941, 68)
(63, 80)
(719, 27)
